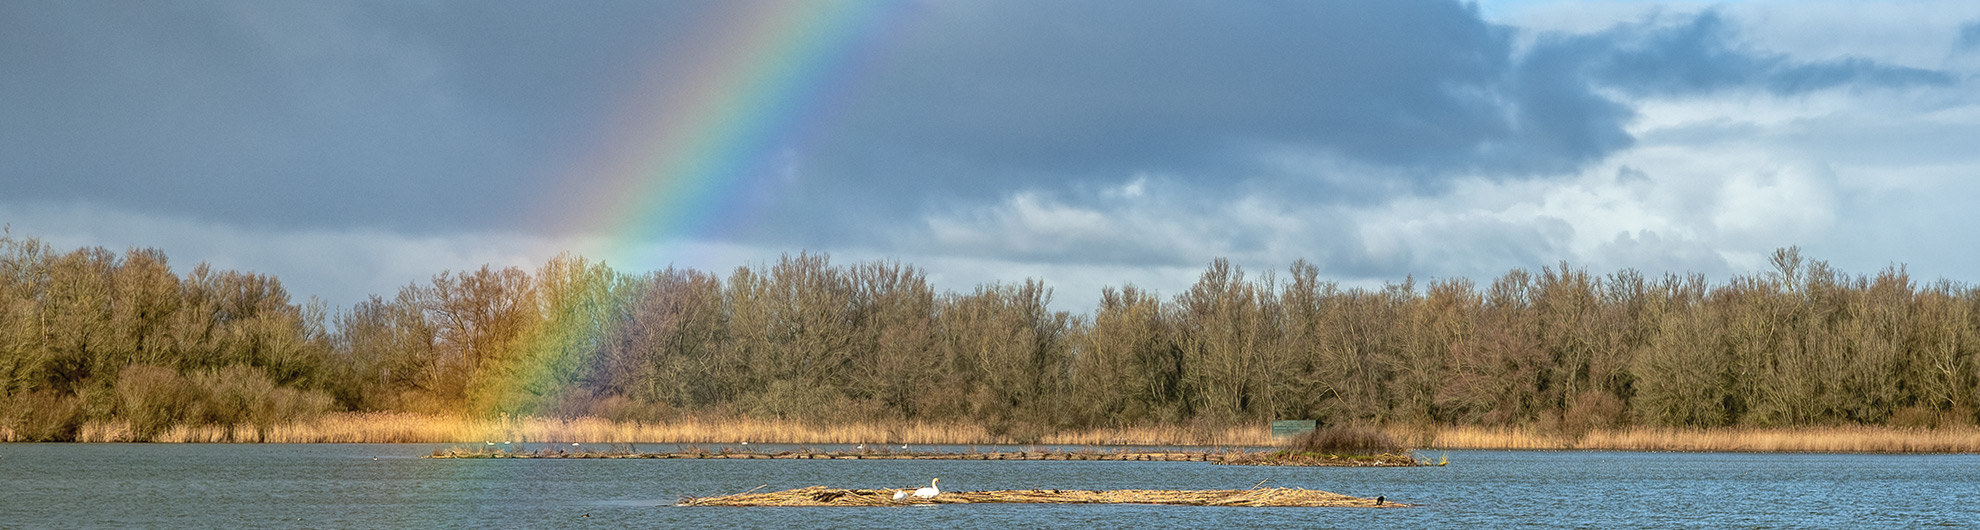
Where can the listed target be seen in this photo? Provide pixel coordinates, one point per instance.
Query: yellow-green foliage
(40, 416)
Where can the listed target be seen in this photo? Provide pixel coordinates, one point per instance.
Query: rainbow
(707, 135)
(700, 139)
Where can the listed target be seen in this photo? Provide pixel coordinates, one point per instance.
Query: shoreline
(416, 428)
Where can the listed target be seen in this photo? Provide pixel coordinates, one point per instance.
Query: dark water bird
(1379, 500)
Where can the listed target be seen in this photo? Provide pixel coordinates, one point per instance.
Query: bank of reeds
(1802, 439)
(1165, 435)
(412, 428)
(1257, 497)
(418, 428)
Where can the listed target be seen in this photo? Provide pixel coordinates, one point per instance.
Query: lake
(390, 486)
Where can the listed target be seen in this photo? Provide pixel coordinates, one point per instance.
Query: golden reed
(1855, 439)
(397, 427)
(392, 427)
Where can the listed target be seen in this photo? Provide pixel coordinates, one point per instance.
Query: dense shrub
(246, 395)
(44, 416)
(1344, 440)
(153, 398)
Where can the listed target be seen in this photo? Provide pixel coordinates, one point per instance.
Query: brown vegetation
(1853, 439)
(1296, 459)
(416, 428)
(1256, 497)
(95, 345)
(1343, 440)
(1332, 446)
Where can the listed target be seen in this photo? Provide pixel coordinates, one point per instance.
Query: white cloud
(1914, 33)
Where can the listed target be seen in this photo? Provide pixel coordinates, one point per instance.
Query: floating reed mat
(1255, 497)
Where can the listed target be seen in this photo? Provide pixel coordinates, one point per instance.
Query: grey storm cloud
(418, 118)
(432, 117)
(1698, 53)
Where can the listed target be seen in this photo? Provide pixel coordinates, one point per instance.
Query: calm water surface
(342, 486)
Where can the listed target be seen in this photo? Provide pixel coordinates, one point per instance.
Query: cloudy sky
(353, 147)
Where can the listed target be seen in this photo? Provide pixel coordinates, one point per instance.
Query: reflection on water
(371, 486)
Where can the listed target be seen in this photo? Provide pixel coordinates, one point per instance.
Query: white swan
(929, 492)
(900, 494)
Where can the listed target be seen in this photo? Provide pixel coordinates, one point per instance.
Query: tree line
(93, 335)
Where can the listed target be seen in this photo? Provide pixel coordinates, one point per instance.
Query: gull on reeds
(900, 494)
(929, 492)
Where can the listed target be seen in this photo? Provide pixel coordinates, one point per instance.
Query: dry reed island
(1254, 497)
(103, 345)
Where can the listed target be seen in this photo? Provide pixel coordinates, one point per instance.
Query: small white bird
(488, 442)
(900, 494)
(574, 444)
(904, 446)
(929, 492)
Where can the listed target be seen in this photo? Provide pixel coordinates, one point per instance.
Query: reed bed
(413, 428)
(1255, 497)
(1254, 435)
(1804, 439)
(417, 428)
(391, 427)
